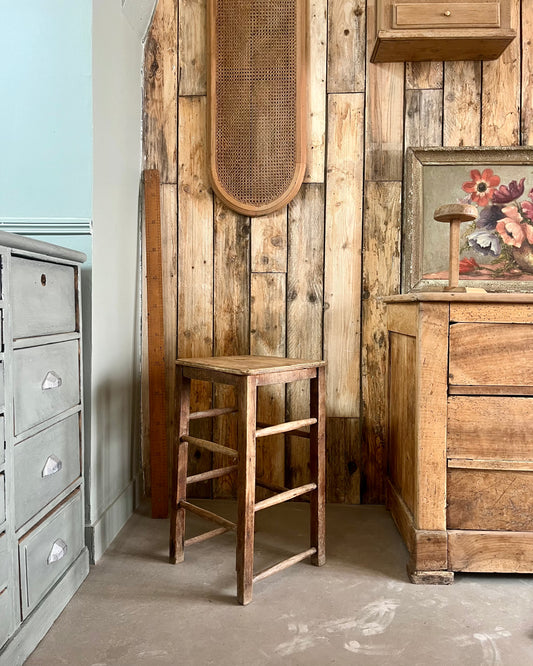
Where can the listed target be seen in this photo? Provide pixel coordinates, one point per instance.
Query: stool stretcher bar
(294, 433)
(284, 497)
(217, 411)
(206, 535)
(284, 427)
(210, 446)
(211, 474)
(208, 515)
(284, 564)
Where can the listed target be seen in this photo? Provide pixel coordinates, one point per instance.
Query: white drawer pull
(51, 381)
(59, 550)
(51, 466)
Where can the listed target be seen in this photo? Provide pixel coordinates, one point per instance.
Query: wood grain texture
(490, 500)
(423, 119)
(195, 263)
(231, 319)
(473, 348)
(346, 46)
(343, 460)
(192, 76)
(305, 287)
(423, 75)
(489, 427)
(269, 243)
(462, 104)
(491, 313)
(381, 277)
(316, 91)
(490, 551)
(267, 337)
(160, 92)
(500, 104)
(526, 101)
(342, 273)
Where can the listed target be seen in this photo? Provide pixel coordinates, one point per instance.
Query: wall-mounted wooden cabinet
(452, 30)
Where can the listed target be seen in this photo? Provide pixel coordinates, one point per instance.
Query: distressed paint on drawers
(34, 404)
(2, 390)
(491, 354)
(2, 499)
(38, 574)
(2, 440)
(43, 298)
(57, 448)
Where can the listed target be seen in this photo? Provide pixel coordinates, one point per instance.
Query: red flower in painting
(482, 186)
(467, 265)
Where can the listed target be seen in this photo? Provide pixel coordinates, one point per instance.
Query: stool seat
(246, 374)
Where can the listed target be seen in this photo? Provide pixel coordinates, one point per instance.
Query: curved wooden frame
(290, 192)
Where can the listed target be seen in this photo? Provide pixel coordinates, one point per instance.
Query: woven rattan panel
(256, 102)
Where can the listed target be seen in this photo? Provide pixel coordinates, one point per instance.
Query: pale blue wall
(45, 110)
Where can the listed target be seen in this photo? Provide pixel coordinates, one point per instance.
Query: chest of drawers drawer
(45, 465)
(47, 551)
(6, 613)
(2, 440)
(2, 499)
(43, 301)
(46, 382)
(4, 561)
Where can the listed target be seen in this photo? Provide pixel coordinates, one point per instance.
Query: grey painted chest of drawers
(43, 558)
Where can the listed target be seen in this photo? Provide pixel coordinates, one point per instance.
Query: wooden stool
(246, 373)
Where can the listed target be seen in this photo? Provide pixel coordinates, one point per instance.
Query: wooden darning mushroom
(454, 215)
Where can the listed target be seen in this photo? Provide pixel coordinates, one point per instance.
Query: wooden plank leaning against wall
(327, 261)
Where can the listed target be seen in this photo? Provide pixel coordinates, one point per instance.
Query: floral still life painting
(496, 249)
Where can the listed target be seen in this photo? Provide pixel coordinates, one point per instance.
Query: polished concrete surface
(135, 608)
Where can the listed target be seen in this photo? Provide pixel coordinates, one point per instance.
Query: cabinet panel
(43, 298)
(4, 561)
(492, 428)
(6, 614)
(44, 466)
(490, 500)
(48, 550)
(2, 499)
(491, 355)
(490, 552)
(2, 440)
(46, 382)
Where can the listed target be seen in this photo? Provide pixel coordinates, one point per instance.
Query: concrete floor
(135, 608)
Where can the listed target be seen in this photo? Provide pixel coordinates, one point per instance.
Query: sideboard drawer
(4, 561)
(46, 382)
(2, 499)
(491, 355)
(2, 440)
(6, 614)
(490, 500)
(43, 298)
(2, 390)
(446, 15)
(45, 465)
(48, 550)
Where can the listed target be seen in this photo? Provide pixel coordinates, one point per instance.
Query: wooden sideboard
(460, 452)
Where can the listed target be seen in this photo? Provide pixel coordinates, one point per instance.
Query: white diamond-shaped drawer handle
(59, 550)
(52, 466)
(51, 381)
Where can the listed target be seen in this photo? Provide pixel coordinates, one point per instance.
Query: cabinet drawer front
(2, 391)
(44, 466)
(46, 382)
(48, 551)
(491, 355)
(490, 500)
(6, 614)
(490, 428)
(4, 562)
(446, 15)
(2, 440)
(43, 298)
(2, 499)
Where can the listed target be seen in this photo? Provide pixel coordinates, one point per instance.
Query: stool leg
(179, 468)
(317, 459)
(247, 404)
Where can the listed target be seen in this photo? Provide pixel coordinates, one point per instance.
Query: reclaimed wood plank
(423, 75)
(305, 298)
(526, 106)
(316, 91)
(500, 102)
(381, 277)
(346, 46)
(343, 460)
(342, 273)
(267, 337)
(160, 92)
(231, 319)
(423, 118)
(195, 264)
(462, 104)
(269, 242)
(192, 75)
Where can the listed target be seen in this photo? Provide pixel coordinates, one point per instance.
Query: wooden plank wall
(308, 281)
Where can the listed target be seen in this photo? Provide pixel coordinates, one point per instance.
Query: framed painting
(496, 249)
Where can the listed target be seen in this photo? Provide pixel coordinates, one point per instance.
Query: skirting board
(101, 533)
(29, 635)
